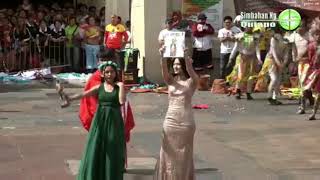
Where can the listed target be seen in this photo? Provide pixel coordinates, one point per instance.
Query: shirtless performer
(276, 60)
(300, 46)
(246, 61)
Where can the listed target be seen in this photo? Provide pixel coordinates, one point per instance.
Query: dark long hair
(183, 66)
(116, 79)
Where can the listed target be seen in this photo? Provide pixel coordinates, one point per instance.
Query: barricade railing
(33, 54)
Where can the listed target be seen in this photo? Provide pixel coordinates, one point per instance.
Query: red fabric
(201, 106)
(314, 70)
(106, 35)
(88, 107)
(128, 120)
(312, 48)
(203, 33)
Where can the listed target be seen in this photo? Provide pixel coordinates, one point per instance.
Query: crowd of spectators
(35, 36)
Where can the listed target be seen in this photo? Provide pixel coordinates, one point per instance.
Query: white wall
(147, 19)
(138, 30)
(154, 21)
(117, 7)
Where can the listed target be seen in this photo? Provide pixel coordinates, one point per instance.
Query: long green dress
(104, 155)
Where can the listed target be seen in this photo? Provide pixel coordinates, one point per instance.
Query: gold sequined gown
(176, 154)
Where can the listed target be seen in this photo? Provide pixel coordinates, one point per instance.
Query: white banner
(174, 44)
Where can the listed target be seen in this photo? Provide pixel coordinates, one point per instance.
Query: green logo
(289, 19)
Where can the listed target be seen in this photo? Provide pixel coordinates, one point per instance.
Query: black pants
(201, 59)
(224, 70)
(118, 57)
(263, 54)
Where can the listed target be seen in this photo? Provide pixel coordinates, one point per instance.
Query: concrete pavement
(238, 140)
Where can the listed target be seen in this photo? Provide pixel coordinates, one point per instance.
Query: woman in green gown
(104, 155)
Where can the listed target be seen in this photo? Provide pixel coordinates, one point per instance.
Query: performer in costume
(88, 105)
(247, 62)
(176, 154)
(313, 80)
(104, 155)
(275, 62)
(301, 40)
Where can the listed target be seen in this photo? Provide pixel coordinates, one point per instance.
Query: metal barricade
(17, 56)
(33, 54)
(57, 54)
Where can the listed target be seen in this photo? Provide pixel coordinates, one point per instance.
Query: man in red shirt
(116, 38)
(115, 34)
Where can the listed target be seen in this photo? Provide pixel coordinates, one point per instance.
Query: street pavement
(235, 139)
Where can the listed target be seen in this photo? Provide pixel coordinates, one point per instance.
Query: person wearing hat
(202, 45)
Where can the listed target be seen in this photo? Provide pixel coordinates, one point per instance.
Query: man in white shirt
(226, 37)
(162, 36)
(163, 33)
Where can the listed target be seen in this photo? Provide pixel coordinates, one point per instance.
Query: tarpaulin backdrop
(310, 8)
(212, 8)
